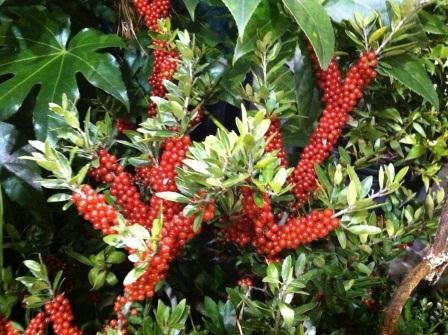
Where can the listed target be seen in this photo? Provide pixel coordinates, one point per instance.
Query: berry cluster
(274, 135)
(6, 327)
(340, 100)
(240, 231)
(122, 125)
(152, 11)
(268, 236)
(37, 325)
(60, 314)
(128, 198)
(247, 282)
(175, 233)
(107, 169)
(162, 177)
(94, 208)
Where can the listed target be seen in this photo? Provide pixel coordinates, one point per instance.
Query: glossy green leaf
(241, 11)
(266, 18)
(411, 73)
(316, 24)
(48, 58)
(340, 10)
(191, 7)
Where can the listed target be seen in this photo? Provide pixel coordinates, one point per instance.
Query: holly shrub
(220, 166)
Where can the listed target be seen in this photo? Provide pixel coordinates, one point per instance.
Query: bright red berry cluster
(108, 167)
(94, 208)
(269, 237)
(127, 196)
(275, 138)
(122, 125)
(340, 99)
(245, 282)
(6, 327)
(152, 11)
(175, 233)
(240, 230)
(60, 314)
(37, 325)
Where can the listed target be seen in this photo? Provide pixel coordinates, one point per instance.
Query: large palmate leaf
(316, 24)
(47, 58)
(19, 177)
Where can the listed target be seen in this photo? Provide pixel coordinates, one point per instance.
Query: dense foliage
(220, 166)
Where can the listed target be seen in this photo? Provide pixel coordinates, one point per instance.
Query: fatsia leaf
(241, 11)
(48, 59)
(411, 73)
(316, 24)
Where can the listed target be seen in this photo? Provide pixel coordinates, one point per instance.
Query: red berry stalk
(247, 282)
(175, 233)
(108, 167)
(128, 198)
(94, 208)
(339, 103)
(60, 314)
(37, 325)
(161, 178)
(270, 238)
(122, 125)
(164, 59)
(6, 327)
(276, 141)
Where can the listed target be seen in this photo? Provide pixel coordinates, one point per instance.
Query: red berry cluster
(340, 100)
(240, 231)
(175, 233)
(123, 125)
(268, 236)
(37, 325)
(94, 208)
(128, 198)
(162, 177)
(276, 142)
(245, 282)
(107, 169)
(60, 314)
(6, 327)
(152, 11)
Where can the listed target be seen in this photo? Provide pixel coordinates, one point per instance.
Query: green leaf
(287, 314)
(364, 229)
(47, 57)
(19, 177)
(241, 11)
(340, 10)
(341, 238)
(116, 257)
(173, 196)
(59, 197)
(266, 18)
(307, 95)
(315, 23)
(416, 151)
(352, 193)
(286, 268)
(191, 7)
(410, 71)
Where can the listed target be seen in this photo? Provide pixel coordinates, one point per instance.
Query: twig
(427, 268)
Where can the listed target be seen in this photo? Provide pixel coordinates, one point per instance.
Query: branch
(427, 268)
